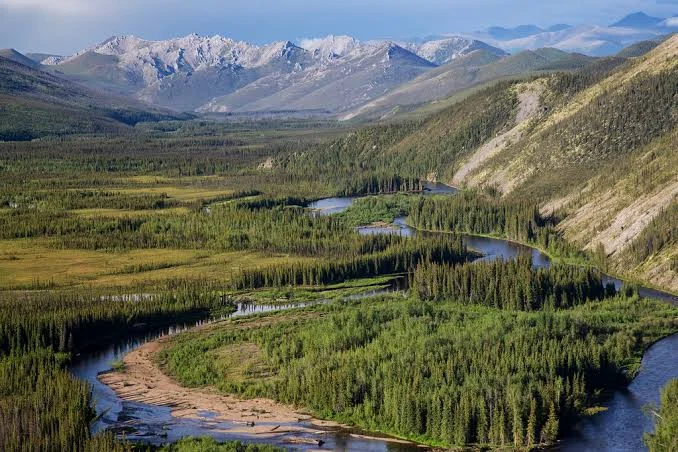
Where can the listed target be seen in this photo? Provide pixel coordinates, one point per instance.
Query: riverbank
(208, 406)
(140, 379)
(555, 258)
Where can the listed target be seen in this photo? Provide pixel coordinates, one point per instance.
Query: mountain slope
(473, 69)
(638, 49)
(17, 57)
(606, 156)
(34, 103)
(338, 84)
(596, 146)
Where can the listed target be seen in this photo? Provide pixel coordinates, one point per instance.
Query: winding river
(619, 428)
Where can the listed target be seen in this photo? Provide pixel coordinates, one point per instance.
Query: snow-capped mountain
(154, 60)
(443, 51)
(222, 74)
(594, 40)
(342, 78)
(330, 47)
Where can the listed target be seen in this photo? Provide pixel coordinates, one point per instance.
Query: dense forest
(483, 212)
(444, 373)
(509, 285)
(393, 255)
(42, 406)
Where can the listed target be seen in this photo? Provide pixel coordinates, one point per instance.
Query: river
(156, 425)
(619, 428)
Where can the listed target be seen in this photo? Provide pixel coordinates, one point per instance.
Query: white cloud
(64, 7)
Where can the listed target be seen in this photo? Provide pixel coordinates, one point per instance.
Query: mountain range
(217, 74)
(593, 40)
(335, 76)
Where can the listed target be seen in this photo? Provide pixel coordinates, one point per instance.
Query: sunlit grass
(120, 213)
(33, 263)
(185, 194)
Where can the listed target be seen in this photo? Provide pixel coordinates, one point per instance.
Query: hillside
(598, 147)
(17, 57)
(474, 69)
(34, 103)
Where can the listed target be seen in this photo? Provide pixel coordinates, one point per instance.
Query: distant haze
(65, 26)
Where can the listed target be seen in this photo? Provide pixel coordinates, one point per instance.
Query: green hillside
(598, 147)
(34, 103)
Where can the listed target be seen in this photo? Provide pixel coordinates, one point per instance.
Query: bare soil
(142, 381)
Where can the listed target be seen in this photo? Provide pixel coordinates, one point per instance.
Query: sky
(66, 26)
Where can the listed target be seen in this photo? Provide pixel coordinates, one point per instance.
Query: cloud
(62, 7)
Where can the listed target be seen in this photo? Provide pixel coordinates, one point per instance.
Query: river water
(620, 428)
(155, 424)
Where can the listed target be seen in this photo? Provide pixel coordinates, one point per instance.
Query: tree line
(43, 406)
(394, 255)
(482, 212)
(509, 285)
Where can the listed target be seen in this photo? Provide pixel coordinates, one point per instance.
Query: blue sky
(64, 26)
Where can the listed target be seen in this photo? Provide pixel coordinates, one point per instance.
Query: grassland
(34, 264)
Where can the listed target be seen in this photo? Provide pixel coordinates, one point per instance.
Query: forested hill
(598, 146)
(35, 103)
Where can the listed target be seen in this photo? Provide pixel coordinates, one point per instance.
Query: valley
(451, 243)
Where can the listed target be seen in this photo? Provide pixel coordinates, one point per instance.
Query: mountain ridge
(200, 73)
(596, 147)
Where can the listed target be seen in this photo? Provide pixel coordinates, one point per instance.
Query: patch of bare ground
(380, 225)
(631, 220)
(557, 204)
(266, 164)
(528, 107)
(142, 381)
